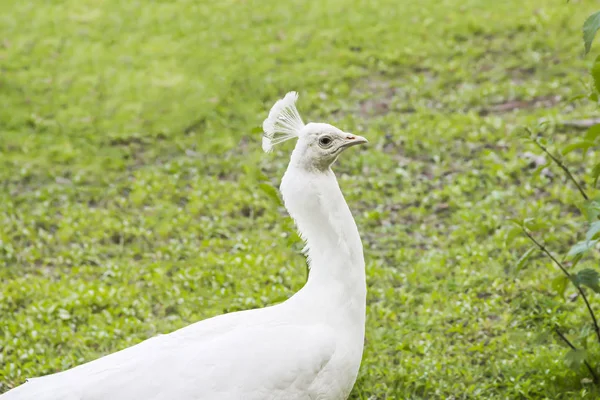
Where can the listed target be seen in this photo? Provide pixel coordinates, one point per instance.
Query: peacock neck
(333, 244)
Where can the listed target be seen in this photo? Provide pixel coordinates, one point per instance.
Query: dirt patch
(512, 105)
(379, 95)
(581, 124)
(519, 75)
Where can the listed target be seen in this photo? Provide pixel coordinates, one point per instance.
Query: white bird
(308, 347)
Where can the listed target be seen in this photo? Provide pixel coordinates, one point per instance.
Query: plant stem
(545, 251)
(561, 165)
(564, 270)
(589, 367)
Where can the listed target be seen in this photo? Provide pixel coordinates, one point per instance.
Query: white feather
(283, 123)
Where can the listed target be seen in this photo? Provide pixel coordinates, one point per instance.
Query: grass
(130, 171)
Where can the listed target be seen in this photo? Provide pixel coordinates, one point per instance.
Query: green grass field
(133, 198)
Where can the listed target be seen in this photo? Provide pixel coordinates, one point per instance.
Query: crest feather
(283, 122)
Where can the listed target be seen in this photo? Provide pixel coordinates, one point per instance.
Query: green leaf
(542, 337)
(593, 132)
(593, 96)
(577, 97)
(587, 277)
(574, 358)
(523, 259)
(593, 231)
(270, 191)
(591, 210)
(581, 247)
(596, 174)
(517, 222)
(583, 145)
(540, 168)
(590, 27)
(535, 225)
(596, 74)
(256, 130)
(254, 172)
(559, 284)
(576, 260)
(512, 234)
(585, 333)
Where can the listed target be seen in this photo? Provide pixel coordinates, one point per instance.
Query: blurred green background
(135, 197)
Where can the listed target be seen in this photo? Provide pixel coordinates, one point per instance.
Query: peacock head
(318, 144)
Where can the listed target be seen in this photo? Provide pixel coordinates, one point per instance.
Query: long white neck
(336, 282)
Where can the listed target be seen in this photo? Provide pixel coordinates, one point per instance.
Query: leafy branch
(588, 277)
(558, 162)
(589, 367)
(560, 265)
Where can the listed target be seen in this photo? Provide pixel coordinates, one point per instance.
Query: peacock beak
(352, 140)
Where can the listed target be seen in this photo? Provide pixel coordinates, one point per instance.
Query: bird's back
(246, 355)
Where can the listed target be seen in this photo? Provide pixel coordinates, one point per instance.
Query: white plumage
(308, 347)
(283, 122)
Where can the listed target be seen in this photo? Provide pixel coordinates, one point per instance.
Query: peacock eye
(325, 141)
